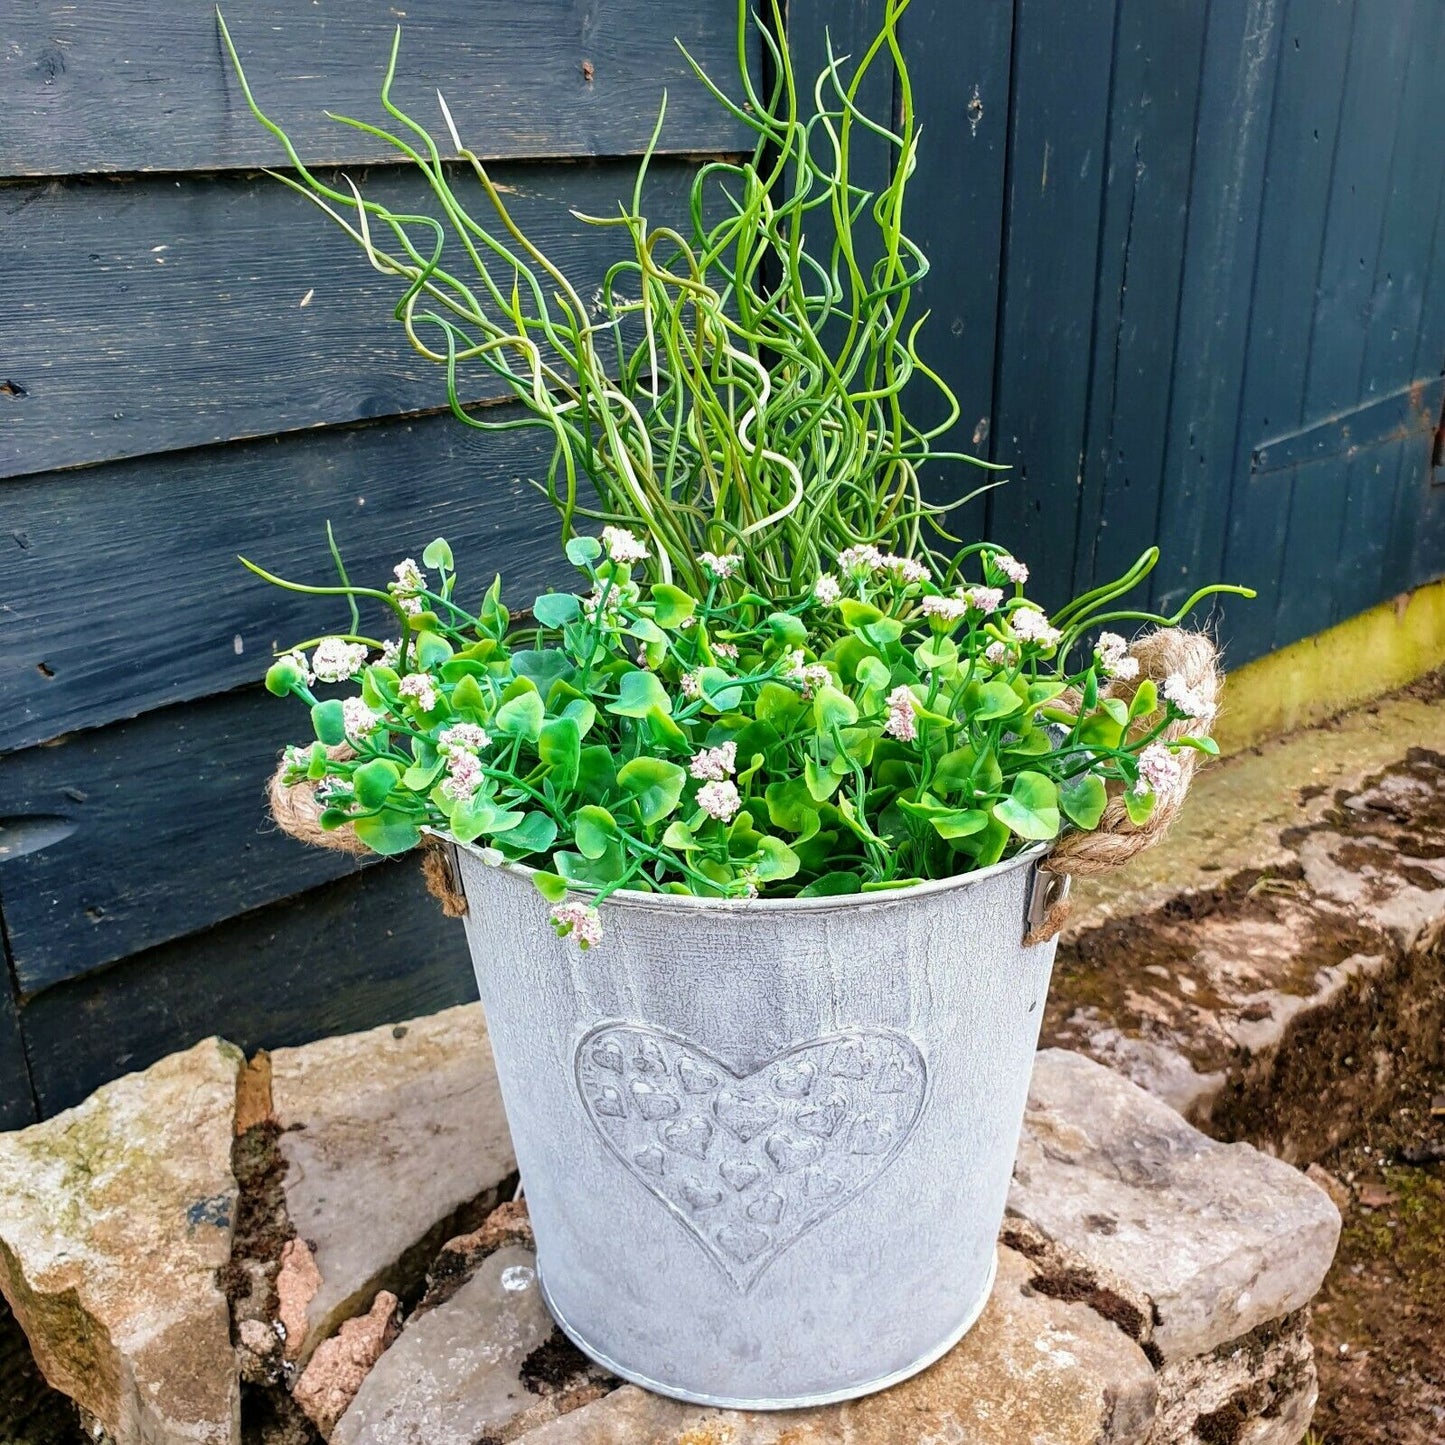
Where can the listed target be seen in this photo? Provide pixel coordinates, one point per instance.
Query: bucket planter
(765, 1145)
(762, 829)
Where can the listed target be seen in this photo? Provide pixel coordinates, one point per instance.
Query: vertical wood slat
(17, 1102)
(1360, 182)
(1238, 68)
(1059, 126)
(1313, 56)
(961, 94)
(1393, 335)
(1158, 67)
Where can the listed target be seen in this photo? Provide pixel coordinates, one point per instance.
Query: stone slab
(1032, 1371)
(1218, 1239)
(114, 1218)
(454, 1376)
(386, 1135)
(1239, 807)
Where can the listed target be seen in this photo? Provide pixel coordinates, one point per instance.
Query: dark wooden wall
(1188, 281)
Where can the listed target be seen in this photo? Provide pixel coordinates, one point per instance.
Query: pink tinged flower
(409, 577)
(336, 660)
(359, 720)
(826, 590)
(464, 736)
(464, 776)
(622, 546)
(997, 654)
(1112, 653)
(579, 922)
(859, 560)
(1011, 568)
(691, 684)
(902, 720)
(984, 599)
(904, 569)
(1159, 769)
(1030, 625)
(1191, 703)
(390, 652)
(719, 800)
(721, 567)
(715, 764)
(420, 688)
(726, 650)
(944, 609)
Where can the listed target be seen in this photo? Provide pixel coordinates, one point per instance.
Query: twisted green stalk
(725, 389)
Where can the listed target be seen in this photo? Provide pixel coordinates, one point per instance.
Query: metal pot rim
(667, 902)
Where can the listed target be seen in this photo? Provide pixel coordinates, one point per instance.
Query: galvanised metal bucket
(765, 1145)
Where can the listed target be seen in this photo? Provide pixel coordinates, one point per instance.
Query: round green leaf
(654, 785)
(637, 695)
(1032, 808)
(373, 782)
(1083, 800)
(582, 550)
(438, 555)
(520, 717)
(593, 830)
(388, 832)
(329, 722)
(671, 606)
(556, 609)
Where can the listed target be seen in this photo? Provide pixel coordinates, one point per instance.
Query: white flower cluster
(807, 675)
(1112, 653)
(826, 590)
(578, 921)
(944, 609)
(719, 800)
(1189, 701)
(421, 689)
(859, 561)
(410, 580)
(1159, 769)
(902, 719)
(298, 661)
(359, 720)
(1011, 567)
(985, 599)
(336, 660)
(726, 650)
(715, 764)
(1030, 625)
(721, 567)
(623, 546)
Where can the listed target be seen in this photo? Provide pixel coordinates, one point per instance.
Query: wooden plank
(1240, 56)
(1157, 76)
(17, 1102)
(132, 85)
(1313, 51)
(1360, 186)
(158, 828)
(364, 951)
(961, 92)
(1375, 567)
(150, 315)
(149, 548)
(1063, 59)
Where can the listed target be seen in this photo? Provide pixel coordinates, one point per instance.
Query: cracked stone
(1218, 1238)
(389, 1136)
(114, 1218)
(455, 1374)
(341, 1364)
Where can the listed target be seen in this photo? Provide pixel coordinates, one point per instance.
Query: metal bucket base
(800, 1402)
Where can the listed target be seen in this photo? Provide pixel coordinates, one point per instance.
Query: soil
(1379, 1322)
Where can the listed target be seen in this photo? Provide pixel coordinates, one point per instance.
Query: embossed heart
(751, 1162)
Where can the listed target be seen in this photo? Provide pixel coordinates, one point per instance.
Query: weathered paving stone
(455, 1375)
(1208, 1241)
(389, 1138)
(1032, 1371)
(114, 1218)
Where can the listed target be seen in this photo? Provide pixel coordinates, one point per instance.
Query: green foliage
(710, 743)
